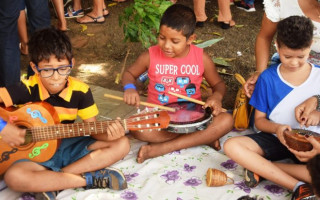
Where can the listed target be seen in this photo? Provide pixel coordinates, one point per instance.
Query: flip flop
(95, 20)
(73, 13)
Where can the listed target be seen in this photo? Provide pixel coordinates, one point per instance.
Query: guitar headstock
(148, 121)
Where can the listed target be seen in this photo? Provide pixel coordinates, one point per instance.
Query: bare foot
(215, 145)
(152, 151)
(62, 25)
(143, 153)
(105, 12)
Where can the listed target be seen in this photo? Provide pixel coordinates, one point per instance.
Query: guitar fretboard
(69, 130)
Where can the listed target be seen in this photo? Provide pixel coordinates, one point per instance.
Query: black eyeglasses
(48, 72)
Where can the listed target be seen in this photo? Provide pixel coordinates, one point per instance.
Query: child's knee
(13, 178)
(231, 145)
(224, 120)
(123, 145)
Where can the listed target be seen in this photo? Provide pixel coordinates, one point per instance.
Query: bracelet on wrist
(318, 102)
(2, 124)
(129, 86)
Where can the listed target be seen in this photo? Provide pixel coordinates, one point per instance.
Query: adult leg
(62, 22)
(96, 15)
(199, 10)
(246, 152)
(38, 18)
(23, 32)
(220, 125)
(9, 43)
(225, 12)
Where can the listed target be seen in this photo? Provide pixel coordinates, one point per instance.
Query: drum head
(187, 113)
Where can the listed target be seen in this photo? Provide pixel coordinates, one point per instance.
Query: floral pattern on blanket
(180, 175)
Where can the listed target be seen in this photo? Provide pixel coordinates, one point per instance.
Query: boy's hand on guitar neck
(13, 135)
(115, 130)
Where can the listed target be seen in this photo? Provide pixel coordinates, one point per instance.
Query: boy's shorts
(69, 151)
(273, 149)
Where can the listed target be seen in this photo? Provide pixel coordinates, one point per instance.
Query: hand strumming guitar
(12, 135)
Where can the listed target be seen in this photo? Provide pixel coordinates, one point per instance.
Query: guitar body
(28, 116)
(296, 140)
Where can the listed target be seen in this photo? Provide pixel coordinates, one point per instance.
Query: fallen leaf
(117, 81)
(216, 33)
(221, 61)
(197, 41)
(208, 43)
(112, 4)
(239, 25)
(90, 34)
(84, 27)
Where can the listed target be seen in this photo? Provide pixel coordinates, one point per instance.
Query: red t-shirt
(178, 75)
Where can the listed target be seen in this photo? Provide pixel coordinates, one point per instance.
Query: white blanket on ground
(180, 175)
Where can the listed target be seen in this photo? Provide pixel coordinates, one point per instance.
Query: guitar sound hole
(28, 136)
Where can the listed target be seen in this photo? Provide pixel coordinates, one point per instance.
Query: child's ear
(191, 39)
(33, 67)
(73, 62)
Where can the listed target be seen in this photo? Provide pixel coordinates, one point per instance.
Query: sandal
(73, 14)
(94, 20)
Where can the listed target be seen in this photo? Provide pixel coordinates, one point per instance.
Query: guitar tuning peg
(140, 131)
(156, 109)
(147, 109)
(159, 129)
(138, 111)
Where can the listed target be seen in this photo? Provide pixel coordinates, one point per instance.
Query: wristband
(2, 124)
(318, 102)
(129, 86)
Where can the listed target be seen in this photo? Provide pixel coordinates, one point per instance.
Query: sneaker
(304, 192)
(246, 7)
(106, 178)
(71, 13)
(251, 179)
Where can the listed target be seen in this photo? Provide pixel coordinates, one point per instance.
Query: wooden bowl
(296, 140)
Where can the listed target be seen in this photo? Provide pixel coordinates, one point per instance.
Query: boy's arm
(217, 84)
(265, 125)
(129, 77)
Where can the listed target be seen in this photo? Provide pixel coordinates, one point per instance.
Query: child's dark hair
(295, 32)
(313, 166)
(47, 42)
(180, 18)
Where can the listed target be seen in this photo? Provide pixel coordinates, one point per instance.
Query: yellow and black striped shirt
(74, 100)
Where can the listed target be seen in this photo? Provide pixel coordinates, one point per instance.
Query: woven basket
(217, 178)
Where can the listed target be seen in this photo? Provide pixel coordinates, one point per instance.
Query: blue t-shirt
(278, 98)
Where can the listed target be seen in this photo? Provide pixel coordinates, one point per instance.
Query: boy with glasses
(78, 161)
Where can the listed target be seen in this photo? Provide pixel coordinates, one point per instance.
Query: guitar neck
(61, 131)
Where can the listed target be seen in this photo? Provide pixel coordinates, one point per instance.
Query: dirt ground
(100, 50)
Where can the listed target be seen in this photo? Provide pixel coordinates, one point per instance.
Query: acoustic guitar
(43, 131)
(296, 140)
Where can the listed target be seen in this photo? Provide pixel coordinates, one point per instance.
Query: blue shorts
(69, 151)
(272, 147)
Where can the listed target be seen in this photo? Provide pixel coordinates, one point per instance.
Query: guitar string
(60, 128)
